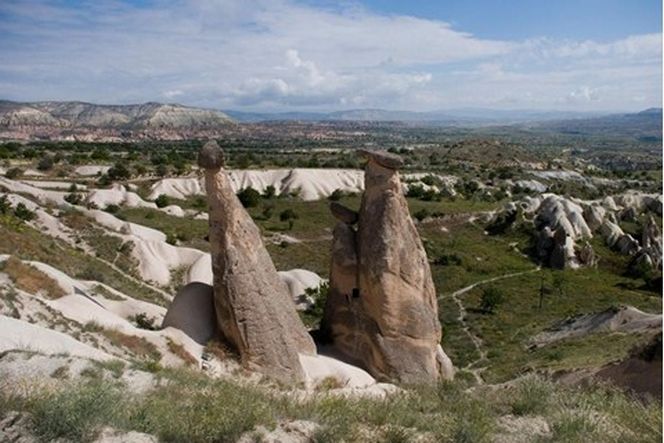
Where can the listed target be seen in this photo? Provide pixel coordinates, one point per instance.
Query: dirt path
(477, 342)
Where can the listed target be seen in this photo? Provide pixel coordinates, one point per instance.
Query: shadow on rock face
(192, 311)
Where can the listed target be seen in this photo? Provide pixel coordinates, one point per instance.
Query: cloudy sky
(282, 55)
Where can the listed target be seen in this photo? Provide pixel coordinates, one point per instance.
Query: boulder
(192, 312)
(627, 245)
(587, 255)
(594, 215)
(382, 309)
(253, 308)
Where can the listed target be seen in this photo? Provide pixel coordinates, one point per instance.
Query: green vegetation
(187, 408)
(27, 243)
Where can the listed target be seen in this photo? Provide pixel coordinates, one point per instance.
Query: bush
(45, 163)
(5, 206)
(448, 260)
(113, 209)
(415, 191)
(14, 173)
(422, 214)
(269, 192)
(144, 322)
(76, 412)
(162, 201)
(22, 212)
(491, 298)
(336, 195)
(249, 197)
(74, 198)
(288, 215)
(119, 172)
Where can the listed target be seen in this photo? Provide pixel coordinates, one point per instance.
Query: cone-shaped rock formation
(382, 308)
(254, 310)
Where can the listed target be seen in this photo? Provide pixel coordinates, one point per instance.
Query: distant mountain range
(645, 125)
(87, 121)
(469, 116)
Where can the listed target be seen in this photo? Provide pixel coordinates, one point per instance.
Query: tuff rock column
(382, 308)
(253, 308)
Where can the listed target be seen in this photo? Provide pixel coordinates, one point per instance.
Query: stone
(627, 245)
(382, 309)
(344, 214)
(563, 254)
(192, 312)
(211, 156)
(110, 435)
(383, 158)
(587, 255)
(594, 215)
(253, 307)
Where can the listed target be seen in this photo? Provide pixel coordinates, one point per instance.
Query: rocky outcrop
(254, 310)
(192, 312)
(587, 256)
(382, 308)
(562, 254)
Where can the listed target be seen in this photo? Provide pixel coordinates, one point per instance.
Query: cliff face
(86, 121)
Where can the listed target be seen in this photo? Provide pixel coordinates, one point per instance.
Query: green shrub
(14, 173)
(22, 212)
(249, 197)
(491, 298)
(45, 163)
(76, 412)
(269, 192)
(288, 215)
(532, 396)
(162, 201)
(336, 195)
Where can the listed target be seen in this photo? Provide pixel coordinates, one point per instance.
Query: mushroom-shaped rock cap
(211, 156)
(343, 213)
(383, 158)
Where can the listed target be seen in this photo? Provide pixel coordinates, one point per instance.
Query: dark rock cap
(211, 156)
(383, 158)
(343, 213)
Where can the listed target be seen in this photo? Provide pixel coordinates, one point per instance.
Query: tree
(288, 215)
(74, 198)
(161, 170)
(119, 172)
(21, 211)
(336, 195)
(268, 210)
(5, 206)
(491, 298)
(269, 192)
(45, 163)
(14, 173)
(249, 197)
(162, 201)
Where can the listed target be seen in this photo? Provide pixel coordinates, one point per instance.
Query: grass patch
(27, 243)
(192, 407)
(181, 353)
(138, 346)
(30, 279)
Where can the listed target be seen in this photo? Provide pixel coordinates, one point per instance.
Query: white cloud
(279, 54)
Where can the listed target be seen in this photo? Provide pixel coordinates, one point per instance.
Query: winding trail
(461, 318)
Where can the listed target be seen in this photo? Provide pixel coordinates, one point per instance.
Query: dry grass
(136, 345)
(30, 279)
(182, 354)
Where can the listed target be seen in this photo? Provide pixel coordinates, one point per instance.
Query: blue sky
(281, 55)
